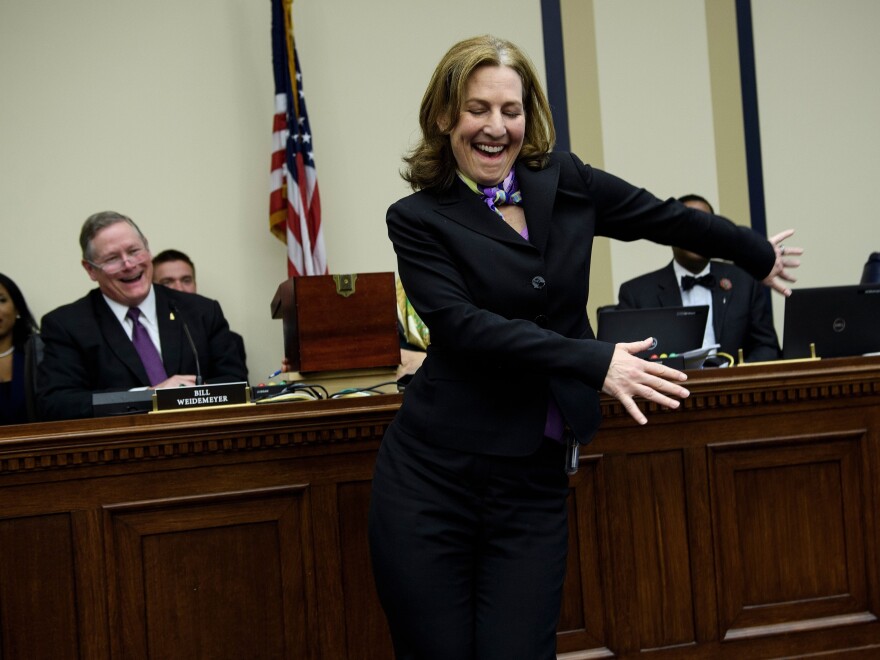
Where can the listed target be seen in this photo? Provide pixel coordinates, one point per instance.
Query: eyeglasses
(112, 265)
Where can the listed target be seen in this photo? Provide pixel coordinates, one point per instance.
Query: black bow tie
(688, 281)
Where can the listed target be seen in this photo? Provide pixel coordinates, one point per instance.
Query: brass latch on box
(345, 284)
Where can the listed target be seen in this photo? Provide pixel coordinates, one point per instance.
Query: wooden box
(338, 322)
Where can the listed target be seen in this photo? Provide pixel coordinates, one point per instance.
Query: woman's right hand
(629, 376)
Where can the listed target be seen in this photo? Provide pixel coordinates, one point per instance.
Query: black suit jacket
(508, 316)
(87, 350)
(740, 312)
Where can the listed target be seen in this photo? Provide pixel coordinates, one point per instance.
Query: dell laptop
(839, 320)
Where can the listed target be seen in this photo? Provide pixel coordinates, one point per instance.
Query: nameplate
(202, 396)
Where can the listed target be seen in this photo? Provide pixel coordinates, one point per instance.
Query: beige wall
(668, 88)
(654, 88)
(817, 65)
(162, 110)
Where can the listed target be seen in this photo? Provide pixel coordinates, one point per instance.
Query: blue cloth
(507, 192)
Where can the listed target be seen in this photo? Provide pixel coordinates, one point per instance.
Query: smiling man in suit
(739, 315)
(128, 334)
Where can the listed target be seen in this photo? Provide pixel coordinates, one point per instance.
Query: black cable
(372, 389)
(317, 392)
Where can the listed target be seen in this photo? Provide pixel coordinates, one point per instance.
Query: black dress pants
(469, 551)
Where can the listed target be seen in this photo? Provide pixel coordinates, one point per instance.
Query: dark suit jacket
(508, 316)
(87, 350)
(740, 314)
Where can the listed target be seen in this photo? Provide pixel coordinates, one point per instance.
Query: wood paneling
(221, 576)
(37, 594)
(658, 516)
(582, 621)
(791, 540)
(742, 525)
(365, 628)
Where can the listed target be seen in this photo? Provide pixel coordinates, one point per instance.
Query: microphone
(192, 344)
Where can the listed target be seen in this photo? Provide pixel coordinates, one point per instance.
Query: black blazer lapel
(668, 290)
(114, 336)
(721, 301)
(538, 193)
(460, 204)
(170, 331)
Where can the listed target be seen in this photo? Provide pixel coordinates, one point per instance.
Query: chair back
(33, 355)
(871, 272)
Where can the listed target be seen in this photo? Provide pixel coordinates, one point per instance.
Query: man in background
(128, 334)
(174, 269)
(739, 313)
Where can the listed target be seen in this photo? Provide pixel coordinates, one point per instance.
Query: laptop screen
(675, 329)
(840, 320)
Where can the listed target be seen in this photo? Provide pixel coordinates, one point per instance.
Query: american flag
(294, 202)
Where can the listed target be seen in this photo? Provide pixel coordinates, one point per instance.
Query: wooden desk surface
(742, 525)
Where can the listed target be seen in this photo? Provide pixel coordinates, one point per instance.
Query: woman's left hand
(784, 262)
(629, 376)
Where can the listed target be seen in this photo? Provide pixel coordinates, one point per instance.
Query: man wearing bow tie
(739, 315)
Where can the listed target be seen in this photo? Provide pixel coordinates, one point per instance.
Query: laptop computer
(674, 329)
(840, 320)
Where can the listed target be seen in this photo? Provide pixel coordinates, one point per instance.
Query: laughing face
(121, 264)
(491, 125)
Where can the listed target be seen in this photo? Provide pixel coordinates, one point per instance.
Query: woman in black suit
(468, 527)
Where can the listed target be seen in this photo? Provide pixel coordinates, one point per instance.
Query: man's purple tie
(146, 348)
